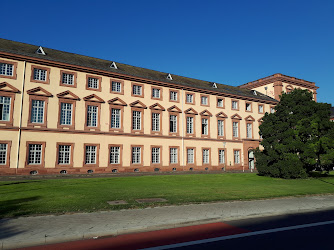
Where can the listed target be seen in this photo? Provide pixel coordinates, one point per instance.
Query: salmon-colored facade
(63, 117)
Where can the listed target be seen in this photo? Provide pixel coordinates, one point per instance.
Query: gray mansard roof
(100, 64)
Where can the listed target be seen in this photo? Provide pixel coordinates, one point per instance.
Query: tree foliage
(297, 138)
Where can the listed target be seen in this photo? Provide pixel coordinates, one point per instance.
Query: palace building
(67, 113)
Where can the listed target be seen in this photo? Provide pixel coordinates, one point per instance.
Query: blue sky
(229, 42)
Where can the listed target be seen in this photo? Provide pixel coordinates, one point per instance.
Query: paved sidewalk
(30, 231)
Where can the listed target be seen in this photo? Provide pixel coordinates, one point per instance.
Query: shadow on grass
(10, 208)
(16, 183)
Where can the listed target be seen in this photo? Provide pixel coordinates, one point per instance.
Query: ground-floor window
(35, 154)
(114, 155)
(90, 155)
(236, 156)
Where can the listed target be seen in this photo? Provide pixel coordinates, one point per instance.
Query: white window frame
(115, 118)
(6, 69)
(260, 108)
(155, 155)
(155, 93)
(249, 130)
(115, 155)
(173, 123)
(156, 122)
(221, 155)
(40, 74)
(248, 107)
(220, 103)
(204, 100)
(190, 156)
(173, 155)
(136, 155)
(137, 90)
(66, 112)
(93, 83)
(5, 106)
(92, 115)
(173, 95)
(234, 105)
(90, 154)
(205, 126)
(235, 126)
(116, 86)
(236, 156)
(35, 154)
(190, 125)
(206, 153)
(68, 79)
(37, 111)
(189, 98)
(221, 127)
(64, 154)
(3, 153)
(136, 120)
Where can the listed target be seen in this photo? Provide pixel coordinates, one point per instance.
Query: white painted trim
(113, 65)
(40, 51)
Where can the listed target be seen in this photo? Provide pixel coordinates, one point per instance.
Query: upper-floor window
(173, 95)
(190, 98)
(66, 113)
(40, 74)
(204, 100)
(235, 129)
(4, 108)
(249, 130)
(37, 111)
(155, 93)
(6, 69)
(92, 116)
(137, 90)
(272, 110)
(136, 120)
(173, 123)
(68, 79)
(248, 107)
(205, 156)
(220, 103)
(205, 126)
(3, 153)
(234, 105)
(155, 122)
(116, 87)
(115, 118)
(93, 83)
(155, 155)
(260, 108)
(190, 125)
(220, 128)
(90, 157)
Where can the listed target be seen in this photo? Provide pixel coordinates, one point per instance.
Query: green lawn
(58, 196)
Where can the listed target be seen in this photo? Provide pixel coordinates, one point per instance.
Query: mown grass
(57, 196)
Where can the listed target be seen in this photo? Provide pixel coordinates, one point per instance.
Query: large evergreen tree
(297, 138)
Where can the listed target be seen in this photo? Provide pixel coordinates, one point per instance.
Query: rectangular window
(189, 98)
(136, 120)
(204, 100)
(93, 83)
(68, 79)
(4, 108)
(272, 110)
(173, 96)
(115, 154)
(235, 129)
(155, 122)
(205, 156)
(221, 154)
(40, 74)
(136, 155)
(92, 116)
(236, 157)
(249, 130)
(173, 155)
(260, 108)
(190, 125)
(205, 126)
(37, 111)
(155, 155)
(220, 103)
(116, 87)
(137, 90)
(220, 128)
(234, 105)
(155, 93)
(90, 155)
(115, 118)
(35, 154)
(173, 124)
(66, 113)
(190, 155)
(64, 154)
(6, 69)
(3, 153)
(248, 107)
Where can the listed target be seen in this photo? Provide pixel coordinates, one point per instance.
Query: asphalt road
(302, 231)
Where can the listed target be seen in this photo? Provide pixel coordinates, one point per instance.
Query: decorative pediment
(93, 98)
(39, 91)
(205, 113)
(117, 101)
(260, 120)
(250, 118)
(190, 111)
(236, 117)
(138, 104)
(174, 109)
(68, 95)
(157, 106)
(5, 86)
(221, 115)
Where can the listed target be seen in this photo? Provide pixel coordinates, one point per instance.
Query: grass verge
(57, 196)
